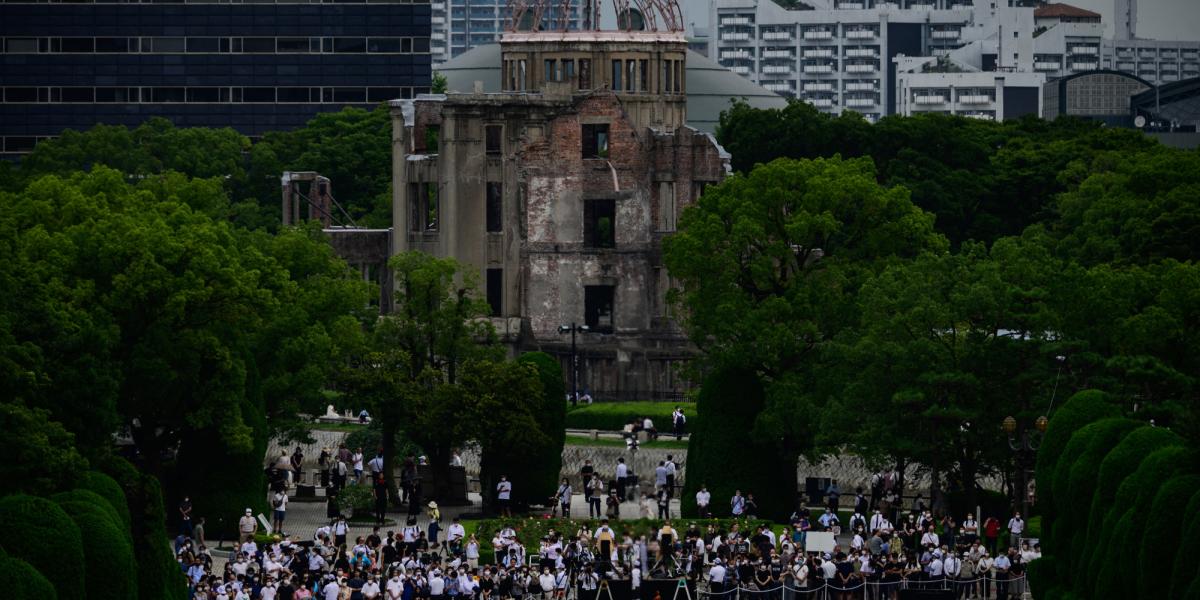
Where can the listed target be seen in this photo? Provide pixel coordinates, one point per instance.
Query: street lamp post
(1024, 442)
(574, 328)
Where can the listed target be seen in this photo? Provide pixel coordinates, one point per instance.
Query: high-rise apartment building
(255, 67)
(848, 54)
(459, 25)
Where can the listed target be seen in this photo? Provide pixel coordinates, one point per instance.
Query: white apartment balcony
(862, 53)
(818, 87)
(1126, 66)
(1189, 55)
(861, 68)
(740, 69)
(818, 69)
(861, 102)
(1046, 66)
(926, 99)
(735, 54)
(860, 34)
(777, 69)
(1083, 50)
(851, 5)
(1168, 54)
(1191, 70)
(1084, 66)
(860, 87)
(735, 36)
(778, 54)
(821, 102)
(780, 88)
(945, 34)
(1146, 66)
(1170, 77)
(818, 53)
(818, 34)
(975, 99)
(437, 20)
(777, 35)
(735, 21)
(437, 35)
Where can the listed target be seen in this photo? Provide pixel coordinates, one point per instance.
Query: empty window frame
(423, 200)
(631, 76)
(616, 75)
(493, 139)
(595, 140)
(495, 291)
(494, 208)
(598, 307)
(585, 74)
(599, 223)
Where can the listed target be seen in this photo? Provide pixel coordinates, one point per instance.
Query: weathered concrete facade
(560, 190)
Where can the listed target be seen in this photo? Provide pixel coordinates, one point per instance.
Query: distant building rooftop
(1060, 10)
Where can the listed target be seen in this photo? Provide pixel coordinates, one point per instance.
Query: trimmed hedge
(1187, 568)
(20, 581)
(1127, 519)
(1161, 539)
(1074, 482)
(1042, 575)
(107, 551)
(158, 573)
(723, 456)
(1119, 463)
(110, 490)
(612, 416)
(37, 531)
(94, 499)
(1079, 410)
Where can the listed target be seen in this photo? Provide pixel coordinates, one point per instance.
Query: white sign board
(819, 541)
(266, 524)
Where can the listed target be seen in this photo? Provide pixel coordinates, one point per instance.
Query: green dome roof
(710, 86)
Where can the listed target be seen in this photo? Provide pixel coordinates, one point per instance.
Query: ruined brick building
(559, 190)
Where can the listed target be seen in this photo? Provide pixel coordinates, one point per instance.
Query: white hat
(249, 512)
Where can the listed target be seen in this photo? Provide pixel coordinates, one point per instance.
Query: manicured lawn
(580, 440)
(342, 427)
(612, 416)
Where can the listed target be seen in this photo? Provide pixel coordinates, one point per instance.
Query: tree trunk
(388, 430)
(439, 463)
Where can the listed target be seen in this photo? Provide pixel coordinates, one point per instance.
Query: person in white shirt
(952, 567)
(622, 478)
(930, 538)
(503, 496)
(800, 574)
(331, 589)
(1016, 526)
(1000, 568)
(437, 586)
(936, 568)
(370, 589)
(737, 503)
(703, 497)
(358, 465)
(716, 577)
(376, 465)
(456, 533)
(395, 587)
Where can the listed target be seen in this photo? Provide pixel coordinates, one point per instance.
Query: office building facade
(255, 67)
(460, 25)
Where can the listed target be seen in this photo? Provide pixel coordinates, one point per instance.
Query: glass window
(349, 45)
(20, 94)
(167, 94)
(349, 94)
(291, 94)
(383, 45)
(80, 94)
(203, 94)
(421, 45)
(616, 76)
(166, 44)
(115, 94)
(382, 94)
(644, 71)
(252, 45)
(550, 69)
(21, 45)
(292, 45)
(258, 94)
(106, 44)
(203, 44)
(568, 69)
(78, 45)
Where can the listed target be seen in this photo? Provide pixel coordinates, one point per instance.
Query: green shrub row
(1118, 501)
(612, 416)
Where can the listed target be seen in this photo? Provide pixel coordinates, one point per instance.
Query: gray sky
(1157, 19)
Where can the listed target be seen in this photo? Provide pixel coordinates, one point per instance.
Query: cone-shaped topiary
(110, 490)
(1187, 568)
(1074, 482)
(37, 531)
(20, 581)
(1160, 540)
(1079, 410)
(107, 551)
